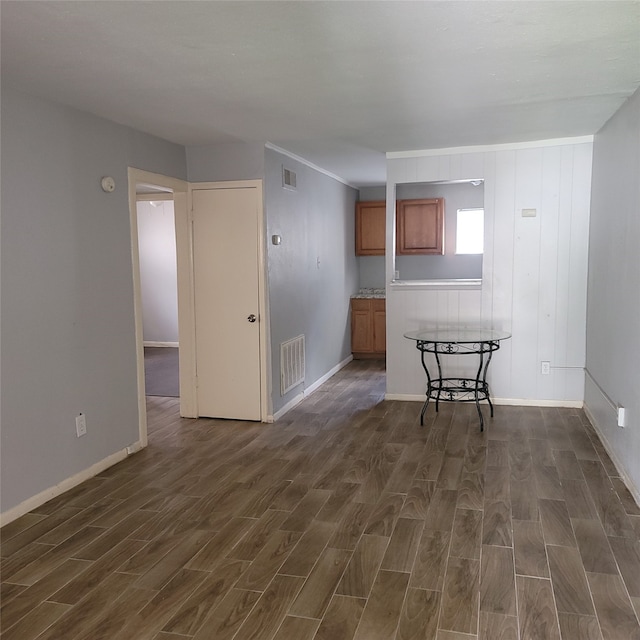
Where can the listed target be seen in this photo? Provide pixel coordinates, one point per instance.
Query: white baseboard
(151, 343)
(635, 491)
(53, 492)
(515, 402)
(305, 393)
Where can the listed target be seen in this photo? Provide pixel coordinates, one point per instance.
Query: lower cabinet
(368, 327)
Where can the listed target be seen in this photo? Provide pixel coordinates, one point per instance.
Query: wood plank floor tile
(441, 511)
(403, 545)
(306, 510)
(418, 499)
(341, 619)
(215, 550)
(321, 584)
(192, 614)
(608, 506)
(628, 503)
(431, 560)
(471, 491)
(228, 617)
(497, 626)
(567, 465)
(466, 537)
(556, 525)
(36, 621)
(569, 581)
(153, 616)
(460, 596)
(419, 617)
(382, 612)
(613, 608)
(271, 608)
(351, 526)
(497, 581)
(529, 549)
(13, 609)
(536, 611)
(94, 574)
(359, 576)
(594, 547)
(269, 561)
(81, 616)
(116, 616)
(496, 483)
(575, 627)
(496, 524)
(524, 500)
(385, 515)
(298, 628)
(627, 554)
(305, 554)
(577, 496)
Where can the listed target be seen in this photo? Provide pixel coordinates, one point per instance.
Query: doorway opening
(159, 290)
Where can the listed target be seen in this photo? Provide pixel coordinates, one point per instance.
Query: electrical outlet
(81, 425)
(396, 275)
(545, 368)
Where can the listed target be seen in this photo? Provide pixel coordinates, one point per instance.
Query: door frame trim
(186, 354)
(265, 381)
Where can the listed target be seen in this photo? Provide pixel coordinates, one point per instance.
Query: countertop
(370, 293)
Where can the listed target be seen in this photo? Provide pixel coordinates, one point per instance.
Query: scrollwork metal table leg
(426, 370)
(435, 351)
(484, 377)
(477, 390)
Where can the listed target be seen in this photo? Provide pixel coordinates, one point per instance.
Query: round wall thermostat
(108, 184)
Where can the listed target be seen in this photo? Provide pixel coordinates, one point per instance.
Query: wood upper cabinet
(368, 327)
(370, 228)
(420, 226)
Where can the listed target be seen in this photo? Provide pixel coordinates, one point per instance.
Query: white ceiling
(338, 83)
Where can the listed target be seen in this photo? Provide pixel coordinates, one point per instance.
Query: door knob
(252, 318)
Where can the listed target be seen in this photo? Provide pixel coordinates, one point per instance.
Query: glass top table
(450, 341)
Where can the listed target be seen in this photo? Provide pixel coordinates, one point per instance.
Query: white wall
(158, 272)
(613, 312)
(68, 333)
(534, 269)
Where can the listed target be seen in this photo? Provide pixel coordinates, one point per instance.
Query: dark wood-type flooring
(344, 520)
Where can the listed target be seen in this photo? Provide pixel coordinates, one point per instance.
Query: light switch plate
(529, 213)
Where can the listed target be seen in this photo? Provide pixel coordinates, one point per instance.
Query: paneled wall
(534, 270)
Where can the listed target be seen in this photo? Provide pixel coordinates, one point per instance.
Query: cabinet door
(420, 226)
(361, 334)
(370, 228)
(379, 326)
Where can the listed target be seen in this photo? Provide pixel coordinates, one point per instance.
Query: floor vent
(291, 364)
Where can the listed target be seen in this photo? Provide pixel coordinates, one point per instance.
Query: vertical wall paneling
(534, 270)
(548, 269)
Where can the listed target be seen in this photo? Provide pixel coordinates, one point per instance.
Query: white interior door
(226, 236)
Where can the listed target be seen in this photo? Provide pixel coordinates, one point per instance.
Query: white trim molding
(508, 146)
(301, 160)
(154, 343)
(68, 483)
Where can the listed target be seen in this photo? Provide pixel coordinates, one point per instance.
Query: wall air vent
(291, 364)
(288, 179)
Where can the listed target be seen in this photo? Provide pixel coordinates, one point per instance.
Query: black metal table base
(458, 389)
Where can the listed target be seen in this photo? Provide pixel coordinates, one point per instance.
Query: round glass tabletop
(454, 335)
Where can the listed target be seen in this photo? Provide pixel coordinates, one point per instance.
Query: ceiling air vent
(288, 179)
